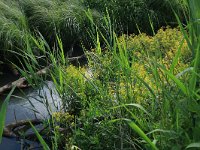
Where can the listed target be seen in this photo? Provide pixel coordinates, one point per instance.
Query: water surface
(29, 104)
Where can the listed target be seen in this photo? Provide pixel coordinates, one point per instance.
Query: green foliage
(137, 91)
(136, 69)
(3, 112)
(128, 15)
(43, 143)
(163, 46)
(126, 73)
(147, 75)
(193, 88)
(66, 18)
(21, 19)
(14, 30)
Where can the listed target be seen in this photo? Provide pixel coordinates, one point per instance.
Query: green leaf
(44, 144)
(161, 130)
(141, 133)
(195, 73)
(146, 85)
(193, 145)
(184, 33)
(3, 112)
(180, 84)
(175, 60)
(134, 105)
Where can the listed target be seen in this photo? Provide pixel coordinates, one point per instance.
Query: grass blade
(3, 112)
(177, 55)
(193, 145)
(44, 144)
(141, 133)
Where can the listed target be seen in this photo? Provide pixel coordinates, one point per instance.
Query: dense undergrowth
(19, 20)
(129, 82)
(137, 91)
(134, 94)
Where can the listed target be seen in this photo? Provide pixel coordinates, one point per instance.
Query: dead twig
(22, 82)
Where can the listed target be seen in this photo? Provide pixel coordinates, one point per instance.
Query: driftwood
(22, 82)
(19, 130)
(13, 130)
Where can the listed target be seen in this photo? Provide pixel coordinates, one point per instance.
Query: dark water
(6, 78)
(29, 105)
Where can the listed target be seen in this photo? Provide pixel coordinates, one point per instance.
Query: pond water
(29, 105)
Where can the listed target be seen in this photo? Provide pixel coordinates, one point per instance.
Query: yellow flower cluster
(165, 44)
(75, 79)
(75, 73)
(162, 48)
(64, 118)
(140, 75)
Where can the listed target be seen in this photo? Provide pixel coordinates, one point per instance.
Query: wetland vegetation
(126, 74)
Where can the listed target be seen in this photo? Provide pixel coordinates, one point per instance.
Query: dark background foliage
(22, 19)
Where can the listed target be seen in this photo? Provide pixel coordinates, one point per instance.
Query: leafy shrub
(128, 15)
(124, 78)
(163, 46)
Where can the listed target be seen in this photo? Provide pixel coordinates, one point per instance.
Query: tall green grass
(3, 113)
(127, 15)
(14, 28)
(56, 17)
(140, 96)
(193, 40)
(23, 18)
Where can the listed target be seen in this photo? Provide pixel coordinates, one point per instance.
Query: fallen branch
(76, 58)
(21, 129)
(22, 82)
(14, 129)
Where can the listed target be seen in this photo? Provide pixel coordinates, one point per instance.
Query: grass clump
(14, 28)
(66, 18)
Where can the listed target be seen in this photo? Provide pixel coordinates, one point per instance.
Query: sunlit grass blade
(184, 33)
(138, 130)
(177, 81)
(3, 112)
(44, 144)
(131, 113)
(151, 24)
(146, 85)
(180, 84)
(133, 105)
(177, 56)
(161, 130)
(193, 145)
(190, 69)
(60, 45)
(141, 133)
(194, 77)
